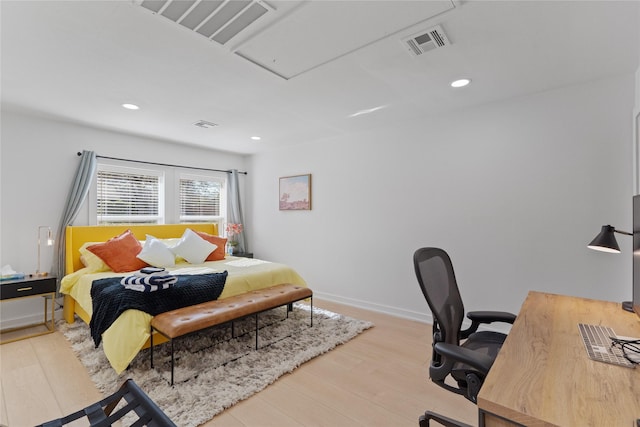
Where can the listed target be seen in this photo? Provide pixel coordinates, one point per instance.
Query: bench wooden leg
(172, 362)
(172, 355)
(256, 331)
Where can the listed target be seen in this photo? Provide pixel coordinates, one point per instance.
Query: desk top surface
(543, 376)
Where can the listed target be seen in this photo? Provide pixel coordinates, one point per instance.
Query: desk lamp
(49, 243)
(606, 242)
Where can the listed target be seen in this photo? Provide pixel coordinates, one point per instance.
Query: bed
(130, 332)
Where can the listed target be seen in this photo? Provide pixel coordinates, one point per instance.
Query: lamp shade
(605, 241)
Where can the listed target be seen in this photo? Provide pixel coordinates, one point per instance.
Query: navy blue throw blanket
(110, 298)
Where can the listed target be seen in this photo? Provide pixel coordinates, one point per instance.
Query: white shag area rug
(214, 371)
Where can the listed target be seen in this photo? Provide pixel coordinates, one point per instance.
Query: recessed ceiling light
(256, 138)
(460, 83)
(131, 106)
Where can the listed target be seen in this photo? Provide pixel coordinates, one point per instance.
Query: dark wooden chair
(101, 414)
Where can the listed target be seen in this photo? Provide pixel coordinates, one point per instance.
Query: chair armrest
(478, 361)
(491, 316)
(479, 317)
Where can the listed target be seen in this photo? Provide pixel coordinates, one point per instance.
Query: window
(129, 195)
(123, 194)
(200, 198)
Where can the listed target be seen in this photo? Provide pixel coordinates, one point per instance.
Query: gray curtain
(77, 195)
(235, 209)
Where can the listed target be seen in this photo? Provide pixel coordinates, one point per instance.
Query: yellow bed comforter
(128, 334)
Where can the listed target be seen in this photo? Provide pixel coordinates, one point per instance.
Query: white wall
(513, 191)
(38, 159)
(636, 137)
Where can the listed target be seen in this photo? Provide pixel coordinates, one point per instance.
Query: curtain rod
(162, 164)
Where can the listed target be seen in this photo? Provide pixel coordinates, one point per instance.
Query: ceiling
(305, 70)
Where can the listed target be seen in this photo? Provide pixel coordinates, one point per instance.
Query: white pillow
(193, 248)
(156, 253)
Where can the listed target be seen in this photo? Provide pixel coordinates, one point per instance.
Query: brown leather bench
(186, 320)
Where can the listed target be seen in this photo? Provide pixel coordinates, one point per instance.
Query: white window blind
(129, 196)
(200, 199)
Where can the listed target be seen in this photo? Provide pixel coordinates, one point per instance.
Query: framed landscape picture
(295, 193)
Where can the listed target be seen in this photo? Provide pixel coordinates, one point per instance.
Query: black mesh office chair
(465, 355)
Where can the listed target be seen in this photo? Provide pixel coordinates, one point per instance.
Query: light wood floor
(380, 378)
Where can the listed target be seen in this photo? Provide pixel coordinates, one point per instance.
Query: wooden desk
(543, 376)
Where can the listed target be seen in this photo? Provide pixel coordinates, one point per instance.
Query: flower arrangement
(233, 230)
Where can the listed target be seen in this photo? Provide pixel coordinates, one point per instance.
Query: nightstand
(244, 254)
(26, 288)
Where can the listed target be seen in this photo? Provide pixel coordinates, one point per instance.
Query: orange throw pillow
(120, 252)
(221, 243)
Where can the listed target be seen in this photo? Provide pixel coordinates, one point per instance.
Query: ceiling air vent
(216, 20)
(205, 124)
(426, 40)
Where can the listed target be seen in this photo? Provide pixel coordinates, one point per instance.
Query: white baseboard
(400, 312)
(380, 308)
(30, 319)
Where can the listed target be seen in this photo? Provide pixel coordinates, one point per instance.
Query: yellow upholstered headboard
(76, 236)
